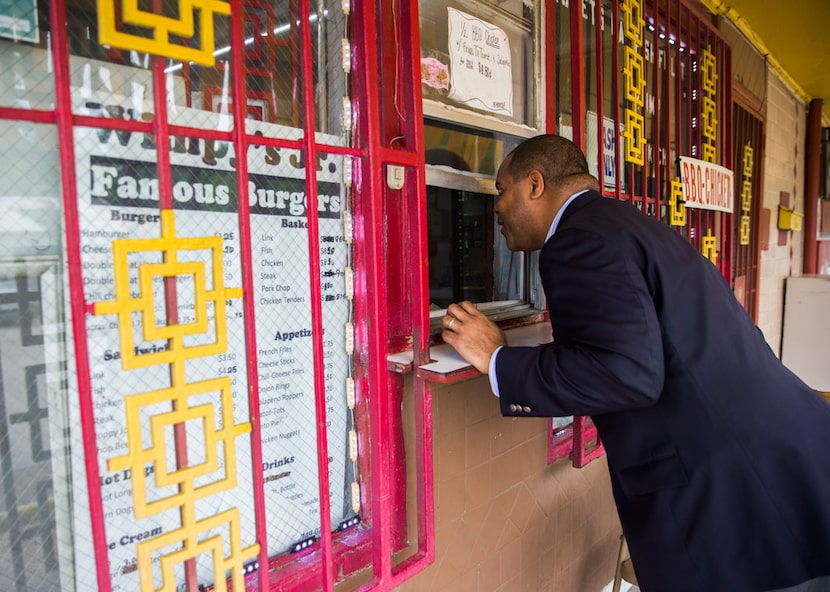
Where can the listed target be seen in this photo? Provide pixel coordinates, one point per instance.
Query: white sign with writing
(706, 185)
(481, 75)
(610, 170)
(118, 200)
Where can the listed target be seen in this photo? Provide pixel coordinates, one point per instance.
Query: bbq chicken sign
(707, 186)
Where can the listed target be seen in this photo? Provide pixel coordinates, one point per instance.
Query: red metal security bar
(641, 61)
(749, 151)
(332, 150)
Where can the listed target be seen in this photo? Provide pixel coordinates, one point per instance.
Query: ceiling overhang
(792, 36)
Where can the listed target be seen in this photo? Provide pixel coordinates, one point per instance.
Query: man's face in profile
(514, 209)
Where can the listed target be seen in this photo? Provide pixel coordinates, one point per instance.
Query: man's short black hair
(553, 156)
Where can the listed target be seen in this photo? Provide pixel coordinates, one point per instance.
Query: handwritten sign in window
(481, 75)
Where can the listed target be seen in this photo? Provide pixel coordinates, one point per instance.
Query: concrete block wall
(505, 520)
(783, 173)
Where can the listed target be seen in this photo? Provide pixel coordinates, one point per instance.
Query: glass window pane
(480, 56)
(463, 149)
(33, 397)
(275, 64)
(468, 256)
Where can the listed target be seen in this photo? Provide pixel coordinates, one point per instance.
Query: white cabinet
(805, 347)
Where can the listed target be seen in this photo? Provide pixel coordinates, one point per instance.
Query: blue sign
(18, 20)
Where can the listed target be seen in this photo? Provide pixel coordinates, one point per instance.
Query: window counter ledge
(446, 366)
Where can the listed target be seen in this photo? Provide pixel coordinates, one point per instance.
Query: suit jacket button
(514, 408)
(526, 409)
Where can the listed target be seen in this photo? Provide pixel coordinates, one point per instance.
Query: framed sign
(18, 20)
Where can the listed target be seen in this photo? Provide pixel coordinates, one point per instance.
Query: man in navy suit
(719, 456)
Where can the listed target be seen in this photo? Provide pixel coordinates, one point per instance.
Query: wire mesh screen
(170, 410)
(32, 363)
(280, 268)
(208, 281)
(27, 436)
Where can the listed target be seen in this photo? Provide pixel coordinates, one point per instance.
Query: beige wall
(783, 172)
(505, 521)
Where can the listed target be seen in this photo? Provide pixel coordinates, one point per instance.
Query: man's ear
(537, 184)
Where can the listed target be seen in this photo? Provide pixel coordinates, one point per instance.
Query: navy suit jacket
(719, 456)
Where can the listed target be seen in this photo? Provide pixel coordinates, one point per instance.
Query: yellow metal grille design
(677, 205)
(744, 233)
(710, 153)
(710, 247)
(709, 118)
(709, 109)
(217, 471)
(746, 195)
(159, 29)
(633, 21)
(748, 162)
(634, 82)
(709, 72)
(191, 546)
(634, 133)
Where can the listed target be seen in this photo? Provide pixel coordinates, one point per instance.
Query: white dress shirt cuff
(491, 372)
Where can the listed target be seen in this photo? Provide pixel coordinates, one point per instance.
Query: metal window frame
(749, 126)
(384, 509)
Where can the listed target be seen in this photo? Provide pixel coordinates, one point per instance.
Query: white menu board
(117, 182)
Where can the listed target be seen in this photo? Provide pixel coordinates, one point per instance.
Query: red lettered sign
(706, 185)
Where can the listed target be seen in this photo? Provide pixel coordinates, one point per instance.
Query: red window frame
(384, 494)
(746, 269)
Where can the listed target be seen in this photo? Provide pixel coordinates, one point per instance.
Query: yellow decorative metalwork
(709, 72)
(197, 405)
(634, 132)
(633, 68)
(125, 305)
(746, 195)
(677, 205)
(635, 83)
(748, 161)
(633, 21)
(710, 154)
(139, 456)
(188, 545)
(709, 108)
(744, 234)
(709, 247)
(158, 29)
(709, 119)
